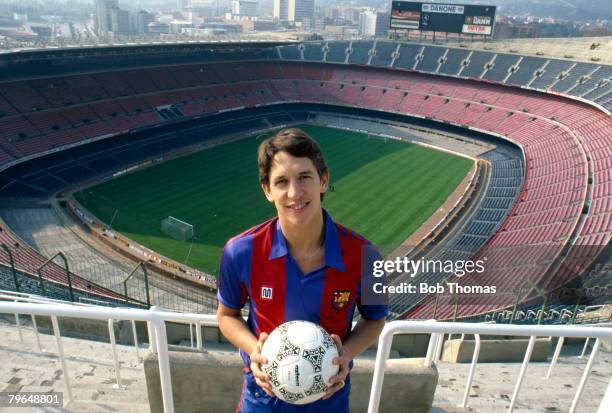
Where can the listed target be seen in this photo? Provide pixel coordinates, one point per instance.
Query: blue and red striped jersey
(256, 266)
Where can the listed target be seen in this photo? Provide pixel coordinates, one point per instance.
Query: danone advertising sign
(440, 17)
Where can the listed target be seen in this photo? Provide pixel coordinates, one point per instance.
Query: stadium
(437, 152)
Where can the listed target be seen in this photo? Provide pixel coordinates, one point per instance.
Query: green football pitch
(383, 189)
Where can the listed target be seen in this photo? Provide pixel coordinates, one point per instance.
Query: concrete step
(91, 372)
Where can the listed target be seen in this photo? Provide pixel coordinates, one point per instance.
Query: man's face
(295, 188)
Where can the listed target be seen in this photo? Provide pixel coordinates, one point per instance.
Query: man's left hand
(337, 382)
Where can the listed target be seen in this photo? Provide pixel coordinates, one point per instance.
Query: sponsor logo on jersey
(266, 293)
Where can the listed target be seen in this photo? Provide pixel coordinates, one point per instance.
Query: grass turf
(383, 189)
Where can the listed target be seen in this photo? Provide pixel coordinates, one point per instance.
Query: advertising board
(439, 17)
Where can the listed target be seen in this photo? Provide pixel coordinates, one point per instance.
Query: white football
(299, 355)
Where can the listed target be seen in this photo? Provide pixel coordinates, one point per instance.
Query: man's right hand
(261, 377)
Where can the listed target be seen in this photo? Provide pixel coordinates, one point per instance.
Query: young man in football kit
(300, 265)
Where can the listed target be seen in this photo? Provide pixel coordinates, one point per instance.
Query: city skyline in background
(40, 23)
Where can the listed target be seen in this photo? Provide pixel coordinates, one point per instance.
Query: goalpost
(177, 229)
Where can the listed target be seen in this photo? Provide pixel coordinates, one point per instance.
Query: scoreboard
(439, 17)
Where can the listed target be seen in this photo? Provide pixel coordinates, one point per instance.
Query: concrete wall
(461, 351)
(606, 345)
(411, 345)
(212, 381)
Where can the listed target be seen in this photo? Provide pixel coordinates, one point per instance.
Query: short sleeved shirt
(256, 267)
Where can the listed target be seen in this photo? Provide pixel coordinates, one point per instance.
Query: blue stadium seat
(313, 51)
(290, 52)
(550, 73)
(384, 50)
(573, 76)
(360, 52)
(337, 52)
(452, 64)
(407, 55)
(477, 63)
(599, 92)
(605, 100)
(526, 71)
(501, 69)
(593, 80)
(431, 59)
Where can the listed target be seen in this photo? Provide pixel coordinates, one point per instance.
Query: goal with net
(177, 229)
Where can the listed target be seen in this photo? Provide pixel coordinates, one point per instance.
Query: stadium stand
(541, 219)
(574, 74)
(336, 52)
(432, 58)
(407, 56)
(477, 64)
(313, 51)
(383, 53)
(592, 81)
(49, 232)
(452, 62)
(550, 73)
(494, 207)
(527, 68)
(291, 52)
(52, 280)
(502, 65)
(555, 188)
(360, 52)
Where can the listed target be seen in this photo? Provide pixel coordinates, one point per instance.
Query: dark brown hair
(296, 143)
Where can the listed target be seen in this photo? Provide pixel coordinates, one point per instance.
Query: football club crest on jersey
(341, 299)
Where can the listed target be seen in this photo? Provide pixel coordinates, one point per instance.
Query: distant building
(177, 26)
(305, 12)
(350, 33)
(209, 8)
(281, 9)
(17, 34)
(120, 21)
(382, 24)
(333, 31)
(141, 21)
(181, 4)
(265, 8)
(223, 27)
(41, 29)
(158, 28)
(103, 15)
(299, 12)
(367, 23)
(597, 32)
(506, 30)
(20, 17)
(263, 25)
(244, 8)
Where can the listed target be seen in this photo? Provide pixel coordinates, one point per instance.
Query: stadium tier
(51, 280)
(557, 191)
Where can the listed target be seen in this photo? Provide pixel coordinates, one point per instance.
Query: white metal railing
(155, 318)
(439, 329)
(156, 322)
